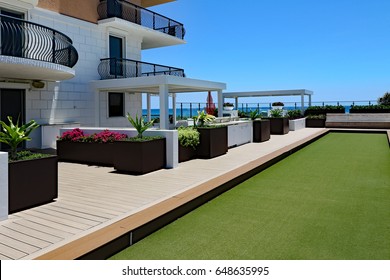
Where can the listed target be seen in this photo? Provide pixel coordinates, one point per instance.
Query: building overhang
(150, 3)
(289, 92)
(28, 69)
(152, 84)
(150, 38)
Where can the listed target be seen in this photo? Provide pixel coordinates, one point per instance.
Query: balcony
(122, 9)
(118, 68)
(34, 52)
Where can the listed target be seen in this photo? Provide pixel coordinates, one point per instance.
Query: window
(116, 56)
(115, 104)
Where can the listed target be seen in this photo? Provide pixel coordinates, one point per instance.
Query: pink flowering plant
(77, 135)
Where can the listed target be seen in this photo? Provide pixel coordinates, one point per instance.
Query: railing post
(116, 68)
(198, 106)
(258, 108)
(181, 110)
(190, 110)
(136, 69)
(53, 47)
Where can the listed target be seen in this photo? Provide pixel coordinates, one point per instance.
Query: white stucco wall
(73, 100)
(3, 186)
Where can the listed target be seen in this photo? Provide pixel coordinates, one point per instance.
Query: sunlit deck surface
(97, 205)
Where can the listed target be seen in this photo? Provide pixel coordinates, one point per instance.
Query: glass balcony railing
(117, 68)
(144, 17)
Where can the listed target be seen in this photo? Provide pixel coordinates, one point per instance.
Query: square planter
(315, 122)
(297, 124)
(186, 153)
(140, 157)
(213, 142)
(32, 183)
(261, 130)
(89, 153)
(279, 125)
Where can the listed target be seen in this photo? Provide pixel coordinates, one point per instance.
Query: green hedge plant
(188, 137)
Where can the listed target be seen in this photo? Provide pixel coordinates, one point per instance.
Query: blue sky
(340, 49)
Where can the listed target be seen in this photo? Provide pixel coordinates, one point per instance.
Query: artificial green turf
(330, 200)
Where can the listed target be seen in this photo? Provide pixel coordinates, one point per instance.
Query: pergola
(290, 92)
(164, 86)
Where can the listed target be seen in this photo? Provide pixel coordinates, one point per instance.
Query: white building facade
(56, 55)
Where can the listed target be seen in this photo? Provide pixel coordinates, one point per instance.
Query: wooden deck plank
(17, 244)
(55, 225)
(54, 219)
(33, 233)
(33, 241)
(96, 205)
(66, 216)
(43, 228)
(11, 253)
(89, 215)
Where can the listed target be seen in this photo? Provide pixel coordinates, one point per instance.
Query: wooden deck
(97, 205)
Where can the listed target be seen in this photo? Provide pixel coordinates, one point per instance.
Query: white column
(97, 108)
(3, 186)
(174, 108)
(220, 103)
(149, 106)
(164, 106)
(302, 103)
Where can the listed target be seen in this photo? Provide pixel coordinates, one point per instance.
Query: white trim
(3, 186)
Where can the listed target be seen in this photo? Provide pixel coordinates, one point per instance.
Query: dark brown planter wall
(279, 125)
(213, 142)
(32, 183)
(186, 153)
(90, 153)
(140, 157)
(315, 122)
(261, 130)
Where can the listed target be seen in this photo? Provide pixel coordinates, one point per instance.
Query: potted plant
(98, 148)
(213, 139)
(189, 139)
(277, 105)
(32, 177)
(278, 123)
(295, 119)
(227, 106)
(315, 120)
(261, 128)
(140, 154)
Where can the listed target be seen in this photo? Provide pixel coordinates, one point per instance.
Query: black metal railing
(19, 38)
(117, 68)
(139, 15)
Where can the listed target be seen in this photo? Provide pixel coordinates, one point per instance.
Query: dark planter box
(140, 157)
(279, 125)
(261, 130)
(315, 122)
(89, 153)
(213, 142)
(32, 183)
(186, 153)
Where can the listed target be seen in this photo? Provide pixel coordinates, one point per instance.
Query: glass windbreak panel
(12, 35)
(115, 104)
(116, 55)
(114, 9)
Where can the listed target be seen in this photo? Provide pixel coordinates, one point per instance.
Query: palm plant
(139, 124)
(254, 115)
(203, 118)
(13, 134)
